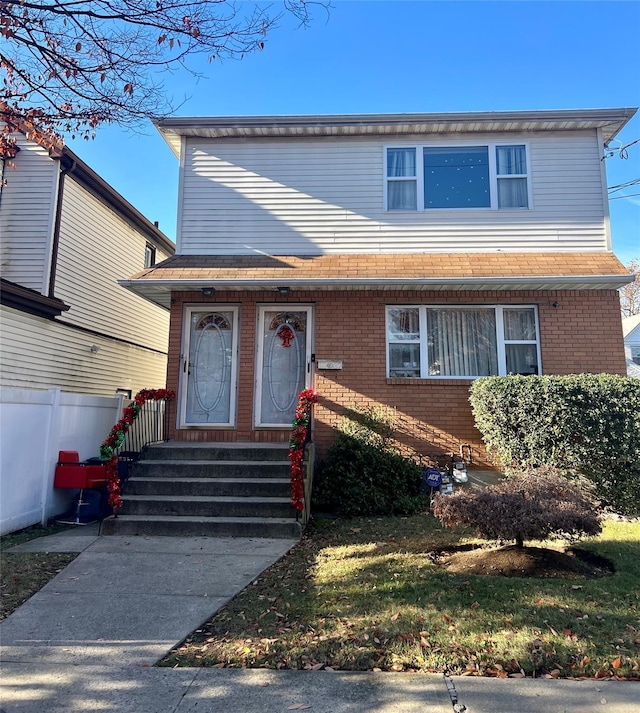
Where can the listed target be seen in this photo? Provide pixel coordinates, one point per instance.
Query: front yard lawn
(369, 594)
(22, 574)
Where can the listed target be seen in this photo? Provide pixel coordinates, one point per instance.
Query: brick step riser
(118, 526)
(176, 488)
(210, 470)
(206, 509)
(216, 453)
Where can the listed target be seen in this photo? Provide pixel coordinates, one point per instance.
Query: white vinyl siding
(27, 213)
(327, 196)
(38, 353)
(98, 248)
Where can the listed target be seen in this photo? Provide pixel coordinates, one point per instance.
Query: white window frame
(493, 177)
(501, 342)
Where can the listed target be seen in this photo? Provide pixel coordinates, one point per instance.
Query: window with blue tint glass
(456, 177)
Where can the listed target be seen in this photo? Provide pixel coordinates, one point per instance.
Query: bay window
(491, 176)
(463, 341)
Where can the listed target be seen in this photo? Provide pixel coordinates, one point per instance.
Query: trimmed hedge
(584, 422)
(364, 474)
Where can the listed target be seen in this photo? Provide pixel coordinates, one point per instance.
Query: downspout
(68, 165)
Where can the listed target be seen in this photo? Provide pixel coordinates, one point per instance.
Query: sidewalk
(88, 641)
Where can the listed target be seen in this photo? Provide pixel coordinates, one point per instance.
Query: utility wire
(630, 195)
(620, 186)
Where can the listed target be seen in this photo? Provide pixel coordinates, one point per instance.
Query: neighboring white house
(631, 334)
(73, 342)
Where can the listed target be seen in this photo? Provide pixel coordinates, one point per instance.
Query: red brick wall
(582, 333)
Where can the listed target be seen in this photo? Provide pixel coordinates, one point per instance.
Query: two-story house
(383, 259)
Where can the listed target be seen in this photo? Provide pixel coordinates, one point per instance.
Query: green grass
(365, 594)
(23, 574)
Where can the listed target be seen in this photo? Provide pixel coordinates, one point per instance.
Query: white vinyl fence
(34, 426)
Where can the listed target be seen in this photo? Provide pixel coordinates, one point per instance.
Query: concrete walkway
(88, 641)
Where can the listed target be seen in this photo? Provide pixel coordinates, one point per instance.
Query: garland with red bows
(298, 439)
(117, 435)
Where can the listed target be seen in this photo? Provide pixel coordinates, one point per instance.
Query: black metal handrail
(150, 426)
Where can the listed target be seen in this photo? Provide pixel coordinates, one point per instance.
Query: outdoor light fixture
(284, 291)
(208, 291)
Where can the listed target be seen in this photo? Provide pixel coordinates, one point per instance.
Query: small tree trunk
(519, 541)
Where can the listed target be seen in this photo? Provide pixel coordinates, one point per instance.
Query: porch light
(284, 291)
(208, 291)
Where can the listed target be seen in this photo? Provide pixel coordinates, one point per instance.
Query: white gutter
(614, 281)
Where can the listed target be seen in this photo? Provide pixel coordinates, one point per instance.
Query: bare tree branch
(71, 65)
(630, 293)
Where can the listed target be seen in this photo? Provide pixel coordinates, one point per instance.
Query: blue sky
(394, 56)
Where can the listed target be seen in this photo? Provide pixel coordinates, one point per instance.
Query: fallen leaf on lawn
(317, 666)
(555, 673)
(552, 630)
(616, 663)
(395, 616)
(356, 529)
(566, 632)
(447, 618)
(516, 675)
(397, 667)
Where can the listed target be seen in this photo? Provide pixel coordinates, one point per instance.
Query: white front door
(283, 361)
(209, 364)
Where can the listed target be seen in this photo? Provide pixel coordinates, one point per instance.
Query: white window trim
(501, 342)
(493, 177)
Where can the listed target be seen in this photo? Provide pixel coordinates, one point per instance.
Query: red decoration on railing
(117, 435)
(286, 334)
(299, 431)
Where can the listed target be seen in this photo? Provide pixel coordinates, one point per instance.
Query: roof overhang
(27, 300)
(433, 273)
(609, 121)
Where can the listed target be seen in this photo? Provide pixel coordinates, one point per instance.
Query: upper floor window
(635, 354)
(149, 256)
(462, 341)
(453, 177)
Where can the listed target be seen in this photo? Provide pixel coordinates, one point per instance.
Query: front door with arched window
(283, 362)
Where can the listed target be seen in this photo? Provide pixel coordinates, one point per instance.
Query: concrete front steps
(217, 490)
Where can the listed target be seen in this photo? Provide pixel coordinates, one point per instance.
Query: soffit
(610, 121)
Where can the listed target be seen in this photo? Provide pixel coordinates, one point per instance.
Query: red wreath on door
(286, 334)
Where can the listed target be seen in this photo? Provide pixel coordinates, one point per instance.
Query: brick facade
(581, 334)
